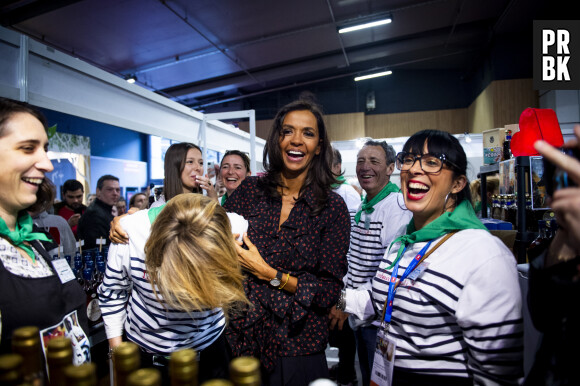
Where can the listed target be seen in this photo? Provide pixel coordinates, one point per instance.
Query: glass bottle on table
(245, 371)
(503, 208)
(26, 343)
(144, 377)
(217, 382)
(93, 309)
(10, 369)
(507, 151)
(494, 206)
(511, 209)
(183, 369)
(126, 359)
(59, 355)
(82, 375)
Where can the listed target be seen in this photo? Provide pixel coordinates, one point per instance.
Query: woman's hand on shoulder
(117, 234)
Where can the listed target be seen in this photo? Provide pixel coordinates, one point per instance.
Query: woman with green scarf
(34, 290)
(446, 296)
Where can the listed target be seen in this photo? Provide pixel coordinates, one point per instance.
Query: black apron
(41, 302)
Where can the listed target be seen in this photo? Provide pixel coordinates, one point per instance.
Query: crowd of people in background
(278, 266)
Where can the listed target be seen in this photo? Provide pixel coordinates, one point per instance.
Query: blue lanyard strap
(394, 283)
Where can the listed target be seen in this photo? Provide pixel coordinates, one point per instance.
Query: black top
(312, 249)
(41, 302)
(553, 302)
(95, 223)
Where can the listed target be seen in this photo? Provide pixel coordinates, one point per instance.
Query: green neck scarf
(463, 217)
(368, 206)
(154, 212)
(22, 233)
(224, 198)
(341, 180)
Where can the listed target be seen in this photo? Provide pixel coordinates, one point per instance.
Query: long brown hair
(174, 164)
(319, 176)
(191, 257)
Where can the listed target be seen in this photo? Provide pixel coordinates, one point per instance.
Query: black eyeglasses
(430, 163)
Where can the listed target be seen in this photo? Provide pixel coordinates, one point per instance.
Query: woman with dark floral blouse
(295, 250)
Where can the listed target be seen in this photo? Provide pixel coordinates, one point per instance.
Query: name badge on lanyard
(386, 347)
(63, 270)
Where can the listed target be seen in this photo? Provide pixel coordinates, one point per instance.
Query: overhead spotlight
(131, 78)
(467, 137)
(371, 24)
(375, 75)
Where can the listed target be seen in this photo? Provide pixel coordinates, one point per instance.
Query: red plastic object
(536, 124)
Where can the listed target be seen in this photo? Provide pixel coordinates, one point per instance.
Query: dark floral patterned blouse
(312, 249)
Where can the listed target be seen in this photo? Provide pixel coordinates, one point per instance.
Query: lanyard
(394, 283)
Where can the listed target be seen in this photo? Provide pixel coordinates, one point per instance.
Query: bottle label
(93, 310)
(70, 328)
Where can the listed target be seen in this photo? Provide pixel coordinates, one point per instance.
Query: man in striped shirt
(379, 219)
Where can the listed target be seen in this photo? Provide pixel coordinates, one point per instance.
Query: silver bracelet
(341, 304)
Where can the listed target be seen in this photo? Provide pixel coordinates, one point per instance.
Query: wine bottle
(507, 150)
(59, 355)
(26, 343)
(144, 377)
(82, 375)
(10, 369)
(93, 309)
(245, 371)
(126, 359)
(217, 382)
(183, 368)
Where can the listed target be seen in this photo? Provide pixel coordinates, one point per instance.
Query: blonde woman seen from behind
(175, 284)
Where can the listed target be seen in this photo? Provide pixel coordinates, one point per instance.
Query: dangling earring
(447, 199)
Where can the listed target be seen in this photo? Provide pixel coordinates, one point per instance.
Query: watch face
(275, 282)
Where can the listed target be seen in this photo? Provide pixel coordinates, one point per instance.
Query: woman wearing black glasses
(446, 296)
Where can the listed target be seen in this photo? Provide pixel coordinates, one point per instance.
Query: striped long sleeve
(128, 303)
(462, 316)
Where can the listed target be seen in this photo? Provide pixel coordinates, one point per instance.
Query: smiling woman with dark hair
(34, 291)
(297, 241)
(446, 294)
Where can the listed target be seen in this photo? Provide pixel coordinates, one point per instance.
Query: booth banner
(70, 143)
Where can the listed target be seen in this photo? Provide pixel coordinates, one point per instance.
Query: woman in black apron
(34, 291)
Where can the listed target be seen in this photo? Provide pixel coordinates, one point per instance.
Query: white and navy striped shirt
(462, 317)
(128, 303)
(368, 246)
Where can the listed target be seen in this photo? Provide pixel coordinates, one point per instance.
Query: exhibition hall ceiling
(205, 52)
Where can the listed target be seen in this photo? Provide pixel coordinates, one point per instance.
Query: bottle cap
(144, 377)
(85, 374)
(59, 351)
(183, 365)
(10, 368)
(245, 371)
(126, 357)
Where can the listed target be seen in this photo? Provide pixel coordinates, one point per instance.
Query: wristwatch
(341, 304)
(275, 282)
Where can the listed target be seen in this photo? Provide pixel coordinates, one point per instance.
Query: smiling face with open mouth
(299, 142)
(426, 194)
(23, 162)
(233, 171)
(372, 170)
